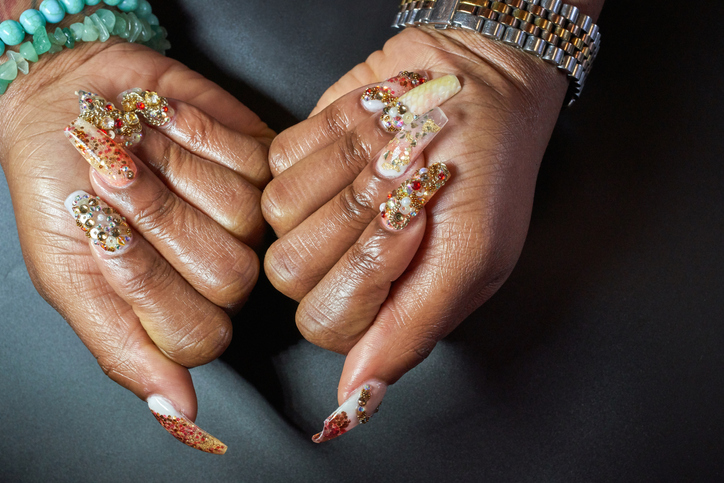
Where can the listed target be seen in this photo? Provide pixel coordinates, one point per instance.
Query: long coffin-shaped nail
(182, 428)
(376, 98)
(123, 127)
(149, 105)
(418, 101)
(409, 143)
(108, 158)
(405, 202)
(100, 222)
(358, 409)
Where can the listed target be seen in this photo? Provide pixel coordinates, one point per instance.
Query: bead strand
(134, 22)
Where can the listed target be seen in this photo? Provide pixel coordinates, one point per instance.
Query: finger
(216, 264)
(325, 128)
(343, 305)
(363, 385)
(291, 197)
(191, 129)
(215, 190)
(114, 335)
(298, 261)
(189, 329)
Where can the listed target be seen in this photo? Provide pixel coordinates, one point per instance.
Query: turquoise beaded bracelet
(134, 22)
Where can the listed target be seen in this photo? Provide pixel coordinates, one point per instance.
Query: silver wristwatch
(554, 31)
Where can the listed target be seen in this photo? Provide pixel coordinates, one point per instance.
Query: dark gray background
(601, 359)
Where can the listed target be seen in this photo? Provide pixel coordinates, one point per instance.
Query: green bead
(147, 32)
(103, 33)
(109, 20)
(77, 30)
(41, 42)
(92, 2)
(128, 5)
(55, 48)
(3, 86)
(2, 47)
(20, 61)
(28, 51)
(152, 19)
(9, 71)
(70, 43)
(59, 37)
(90, 32)
(112, 3)
(136, 27)
(122, 28)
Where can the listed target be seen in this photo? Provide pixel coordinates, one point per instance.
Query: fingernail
(376, 98)
(100, 222)
(151, 107)
(418, 101)
(123, 127)
(405, 202)
(358, 409)
(182, 428)
(108, 158)
(410, 142)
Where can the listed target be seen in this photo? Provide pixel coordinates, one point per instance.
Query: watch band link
(550, 29)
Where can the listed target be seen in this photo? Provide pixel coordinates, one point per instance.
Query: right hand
(163, 304)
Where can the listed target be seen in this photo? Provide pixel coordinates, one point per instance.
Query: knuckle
(366, 261)
(156, 277)
(200, 130)
(238, 279)
(283, 267)
(160, 212)
(316, 326)
(357, 206)
(281, 154)
(354, 152)
(205, 340)
(273, 207)
(336, 121)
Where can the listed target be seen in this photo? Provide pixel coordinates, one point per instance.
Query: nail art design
(182, 428)
(123, 127)
(405, 202)
(356, 410)
(101, 223)
(410, 142)
(404, 110)
(108, 158)
(154, 109)
(376, 98)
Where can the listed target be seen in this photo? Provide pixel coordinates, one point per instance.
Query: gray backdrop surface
(601, 359)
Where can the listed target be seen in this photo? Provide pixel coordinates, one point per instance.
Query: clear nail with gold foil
(106, 156)
(376, 98)
(123, 127)
(150, 106)
(409, 143)
(100, 222)
(182, 428)
(356, 410)
(401, 112)
(404, 203)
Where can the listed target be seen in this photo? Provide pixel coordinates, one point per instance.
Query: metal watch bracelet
(550, 29)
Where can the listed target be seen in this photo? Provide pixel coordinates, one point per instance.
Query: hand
(386, 297)
(160, 305)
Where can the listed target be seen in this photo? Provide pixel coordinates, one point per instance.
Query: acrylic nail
(358, 409)
(108, 158)
(148, 105)
(100, 222)
(408, 107)
(123, 127)
(409, 143)
(182, 428)
(404, 203)
(376, 98)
